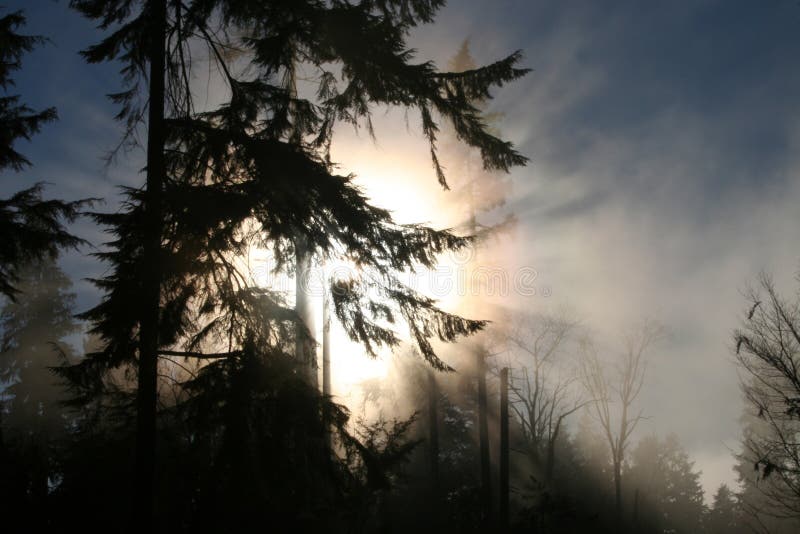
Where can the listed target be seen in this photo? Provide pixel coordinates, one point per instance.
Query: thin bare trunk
(618, 491)
(326, 345)
(504, 484)
(433, 431)
(326, 359)
(483, 429)
(304, 345)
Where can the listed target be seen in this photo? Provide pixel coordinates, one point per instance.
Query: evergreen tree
(30, 228)
(665, 487)
(479, 194)
(723, 516)
(583, 480)
(32, 342)
(256, 171)
(30, 327)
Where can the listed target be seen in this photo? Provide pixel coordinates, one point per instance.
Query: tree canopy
(256, 171)
(30, 228)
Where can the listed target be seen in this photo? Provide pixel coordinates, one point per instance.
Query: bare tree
(768, 352)
(613, 397)
(541, 392)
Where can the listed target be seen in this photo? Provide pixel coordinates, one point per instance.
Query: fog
(662, 182)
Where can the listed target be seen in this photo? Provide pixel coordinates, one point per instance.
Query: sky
(663, 172)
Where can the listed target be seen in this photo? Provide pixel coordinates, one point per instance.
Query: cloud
(662, 180)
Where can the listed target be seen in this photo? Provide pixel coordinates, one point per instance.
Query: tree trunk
(147, 391)
(483, 429)
(618, 491)
(504, 485)
(551, 453)
(326, 360)
(326, 344)
(433, 432)
(304, 344)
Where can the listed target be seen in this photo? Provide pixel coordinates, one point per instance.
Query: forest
(263, 325)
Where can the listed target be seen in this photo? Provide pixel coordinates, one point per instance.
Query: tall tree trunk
(483, 429)
(304, 345)
(504, 485)
(618, 491)
(618, 453)
(326, 360)
(433, 433)
(147, 392)
(551, 452)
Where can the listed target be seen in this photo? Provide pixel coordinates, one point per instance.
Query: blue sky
(663, 140)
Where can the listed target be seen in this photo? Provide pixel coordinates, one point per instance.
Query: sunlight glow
(401, 180)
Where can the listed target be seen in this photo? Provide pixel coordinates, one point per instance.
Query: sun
(405, 185)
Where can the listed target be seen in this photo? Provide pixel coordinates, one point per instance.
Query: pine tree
(19, 121)
(723, 516)
(32, 342)
(30, 228)
(670, 497)
(256, 171)
(477, 192)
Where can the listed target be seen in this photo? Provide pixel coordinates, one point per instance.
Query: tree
(256, 171)
(759, 497)
(28, 327)
(480, 194)
(478, 191)
(618, 424)
(541, 388)
(31, 228)
(768, 352)
(723, 516)
(32, 333)
(665, 487)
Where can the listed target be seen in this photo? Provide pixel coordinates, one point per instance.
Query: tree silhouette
(664, 487)
(478, 192)
(768, 352)
(32, 334)
(256, 171)
(618, 424)
(541, 389)
(760, 499)
(30, 228)
(724, 514)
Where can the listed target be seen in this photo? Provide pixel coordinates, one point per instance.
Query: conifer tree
(30, 228)
(670, 497)
(32, 342)
(723, 516)
(256, 171)
(477, 194)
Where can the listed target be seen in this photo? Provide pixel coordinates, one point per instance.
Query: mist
(512, 266)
